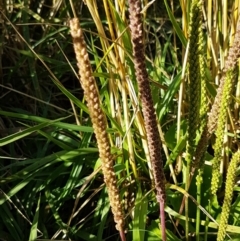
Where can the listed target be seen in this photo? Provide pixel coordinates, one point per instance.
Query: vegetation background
(51, 184)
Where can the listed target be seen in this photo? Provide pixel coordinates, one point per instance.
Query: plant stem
(198, 218)
(150, 119)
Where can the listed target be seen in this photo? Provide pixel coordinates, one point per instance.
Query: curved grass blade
(53, 123)
(176, 25)
(19, 135)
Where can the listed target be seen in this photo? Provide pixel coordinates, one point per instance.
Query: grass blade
(140, 213)
(33, 232)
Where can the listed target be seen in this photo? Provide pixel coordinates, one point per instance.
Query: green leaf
(176, 25)
(14, 190)
(33, 232)
(10, 222)
(140, 213)
(70, 96)
(72, 180)
(168, 97)
(83, 235)
(19, 135)
(103, 210)
(154, 233)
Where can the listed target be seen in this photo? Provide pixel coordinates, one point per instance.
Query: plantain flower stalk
(150, 122)
(204, 108)
(212, 122)
(99, 123)
(222, 119)
(218, 117)
(195, 62)
(194, 76)
(231, 176)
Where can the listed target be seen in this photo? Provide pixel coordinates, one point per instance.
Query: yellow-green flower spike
(231, 63)
(231, 176)
(218, 116)
(213, 119)
(222, 118)
(194, 90)
(194, 75)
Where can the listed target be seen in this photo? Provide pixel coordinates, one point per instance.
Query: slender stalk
(150, 122)
(207, 221)
(198, 218)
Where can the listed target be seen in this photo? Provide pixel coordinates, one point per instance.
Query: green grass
(51, 183)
